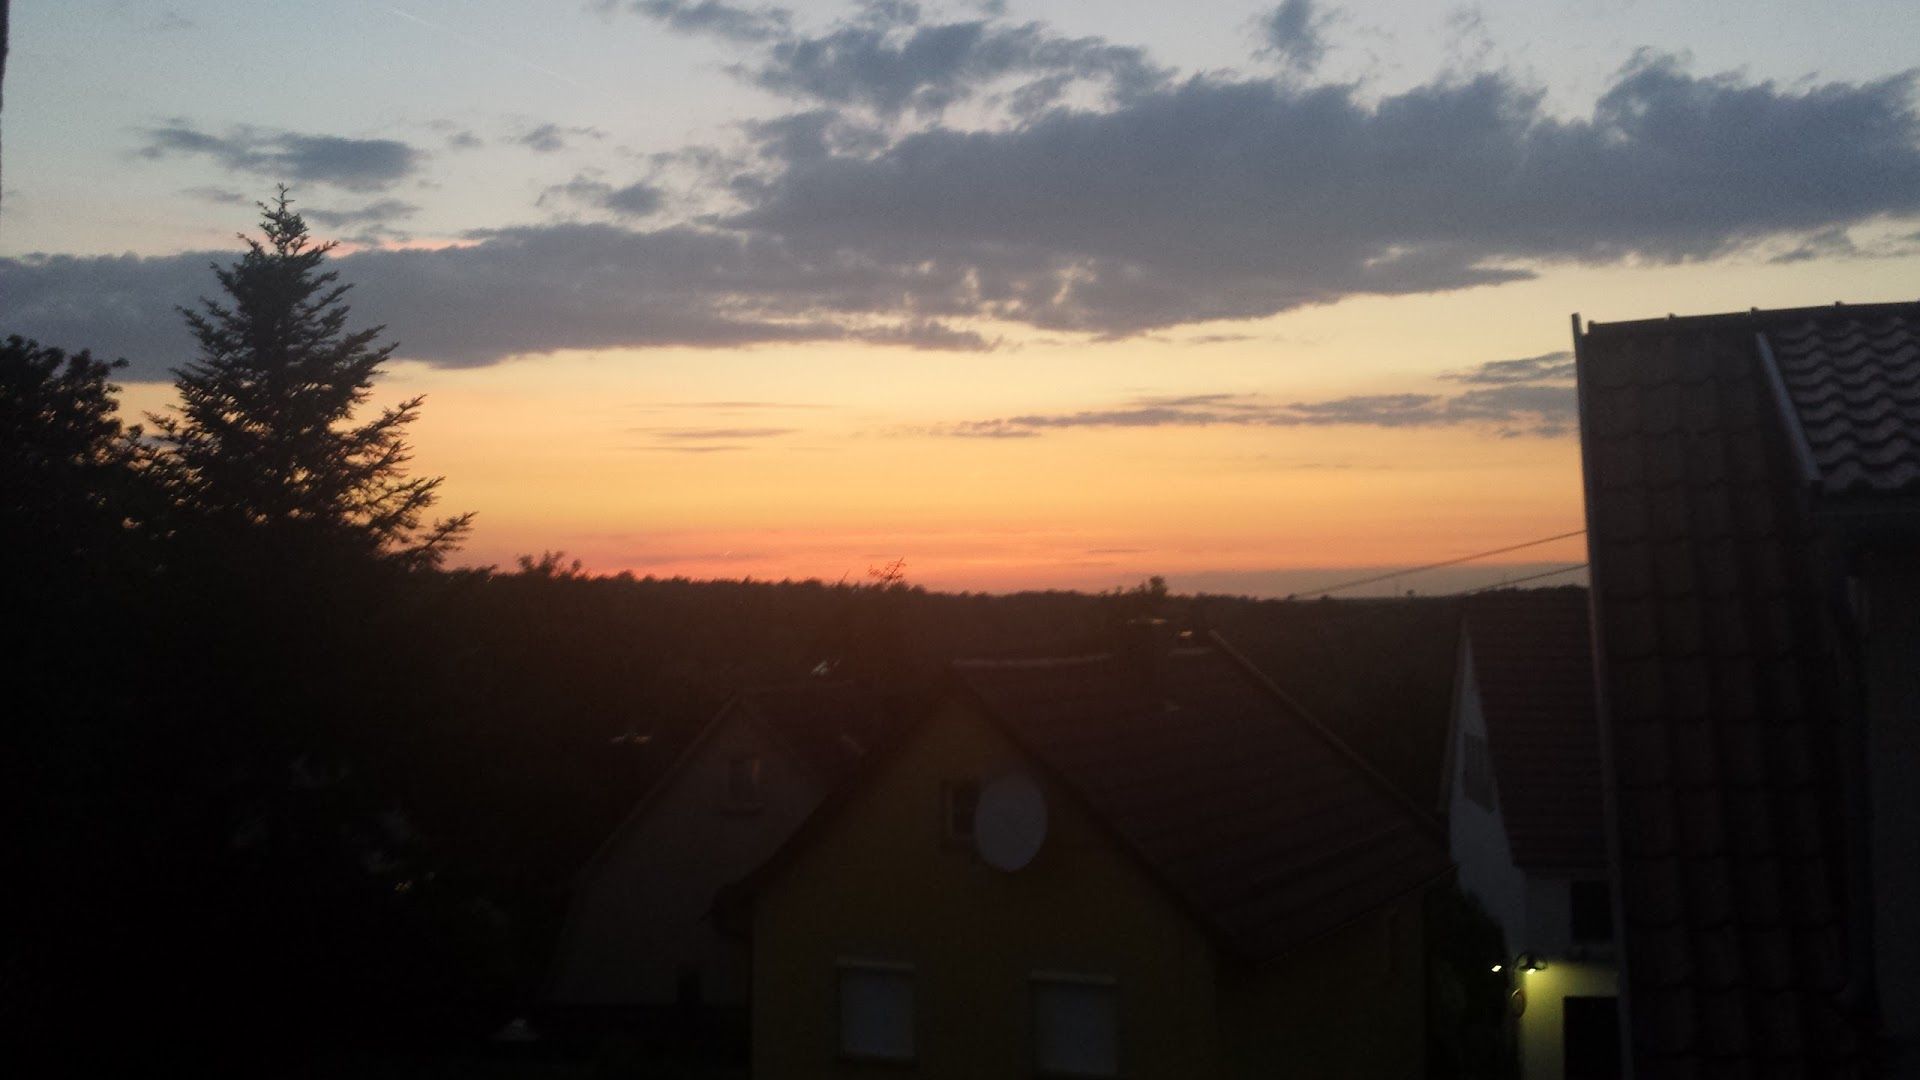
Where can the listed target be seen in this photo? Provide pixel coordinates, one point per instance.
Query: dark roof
(1852, 377)
(827, 726)
(1533, 665)
(830, 728)
(1721, 700)
(1265, 827)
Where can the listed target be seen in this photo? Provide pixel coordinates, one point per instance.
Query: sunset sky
(1028, 294)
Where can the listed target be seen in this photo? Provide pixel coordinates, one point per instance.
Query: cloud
(209, 193)
(512, 292)
(288, 156)
(731, 22)
(464, 140)
(379, 212)
(887, 59)
(1213, 198)
(551, 138)
(705, 434)
(1545, 411)
(1237, 199)
(638, 199)
(1555, 366)
(1293, 35)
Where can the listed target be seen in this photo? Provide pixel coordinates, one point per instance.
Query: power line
(1357, 582)
(1518, 580)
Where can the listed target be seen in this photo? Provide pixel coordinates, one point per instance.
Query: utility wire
(1518, 580)
(1357, 582)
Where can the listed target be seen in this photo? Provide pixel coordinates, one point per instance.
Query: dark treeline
(278, 780)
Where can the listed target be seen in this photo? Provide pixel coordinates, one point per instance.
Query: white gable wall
(1477, 836)
(641, 915)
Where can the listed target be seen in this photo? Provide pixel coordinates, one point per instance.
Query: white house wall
(1478, 836)
(641, 915)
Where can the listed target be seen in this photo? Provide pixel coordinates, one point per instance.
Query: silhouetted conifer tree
(265, 439)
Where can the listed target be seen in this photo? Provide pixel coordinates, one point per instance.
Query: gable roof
(1722, 694)
(1533, 665)
(1266, 827)
(828, 728)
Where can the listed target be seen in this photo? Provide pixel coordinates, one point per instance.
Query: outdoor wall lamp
(1528, 962)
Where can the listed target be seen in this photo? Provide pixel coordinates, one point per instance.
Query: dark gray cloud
(516, 291)
(552, 138)
(1546, 411)
(886, 58)
(1213, 199)
(465, 140)
(1293, 34)
(732, 22)
(636, 200)
(1553, 366)
(290, 156)
(1240, 199)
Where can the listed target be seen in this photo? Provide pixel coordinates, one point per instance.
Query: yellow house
(1141, 865)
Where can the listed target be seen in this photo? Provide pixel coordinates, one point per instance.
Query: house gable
(876, 881)
(639, 928)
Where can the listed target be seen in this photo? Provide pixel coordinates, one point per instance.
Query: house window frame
(1107, 984)
(845, 966)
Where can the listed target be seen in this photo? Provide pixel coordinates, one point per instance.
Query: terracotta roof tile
(1853, 379)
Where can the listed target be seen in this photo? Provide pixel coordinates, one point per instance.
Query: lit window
(876, 1011)
(743, 781)
(1076, 1025)
(1477, 771)
(958, 801)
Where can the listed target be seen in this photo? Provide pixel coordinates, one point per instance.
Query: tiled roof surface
(1246, 809)
(1533, 664)
(1722, 701)
(829, 727)
(1853, 378)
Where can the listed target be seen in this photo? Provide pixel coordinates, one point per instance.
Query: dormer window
(743, 783)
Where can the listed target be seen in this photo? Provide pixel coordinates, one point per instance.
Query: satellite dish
(1009, 822)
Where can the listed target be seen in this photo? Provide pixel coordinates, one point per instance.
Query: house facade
(1526, 826)
(639, 935)
(1220, 890)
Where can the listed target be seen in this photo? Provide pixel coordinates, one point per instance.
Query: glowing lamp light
(1528, 962)
(1498, 968)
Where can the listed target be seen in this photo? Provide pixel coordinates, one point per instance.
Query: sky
(1257, 297)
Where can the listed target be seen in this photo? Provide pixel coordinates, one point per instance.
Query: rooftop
(1533, 664)
(1267, 827)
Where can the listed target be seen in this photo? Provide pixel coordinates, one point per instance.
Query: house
(1526, 824)
(1146, 863)
(1753, 502)
(639, 934)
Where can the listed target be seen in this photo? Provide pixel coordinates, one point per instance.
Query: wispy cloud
(1507, 410)
(1547, 367)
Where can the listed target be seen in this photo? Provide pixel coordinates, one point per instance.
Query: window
(1076, 1025)
(1476, 777)
(958, 800)
(1592, 911)
(876, 1011)
(1591, 1036)
(743, 782)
